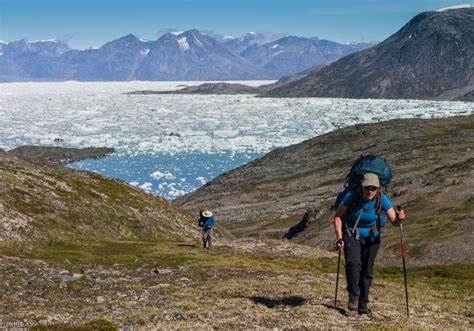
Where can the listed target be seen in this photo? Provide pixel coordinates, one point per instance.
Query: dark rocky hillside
(431, 57)
(432, 162)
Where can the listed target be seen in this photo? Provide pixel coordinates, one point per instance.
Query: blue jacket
(206, 222)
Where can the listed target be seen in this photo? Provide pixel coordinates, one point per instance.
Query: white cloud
(457, 7)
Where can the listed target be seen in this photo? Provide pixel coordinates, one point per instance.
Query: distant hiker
(358, 219)
(207, 223)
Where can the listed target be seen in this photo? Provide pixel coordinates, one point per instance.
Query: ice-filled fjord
(172, 144)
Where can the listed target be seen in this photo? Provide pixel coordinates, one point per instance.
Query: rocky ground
(244, 285)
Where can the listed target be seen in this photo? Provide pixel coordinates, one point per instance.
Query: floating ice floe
(159, 175)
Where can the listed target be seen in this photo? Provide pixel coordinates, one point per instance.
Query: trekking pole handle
(399, 209)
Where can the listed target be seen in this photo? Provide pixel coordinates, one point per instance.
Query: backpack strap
(355, 230)
(378, 210)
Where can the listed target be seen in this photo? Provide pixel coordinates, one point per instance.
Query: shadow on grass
(340, 310)
(293, 301)
(186, 245)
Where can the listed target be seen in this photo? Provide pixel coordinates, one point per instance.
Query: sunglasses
(371, 188)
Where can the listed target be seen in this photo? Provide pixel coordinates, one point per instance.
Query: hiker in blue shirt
(357, 223)
(207, 223)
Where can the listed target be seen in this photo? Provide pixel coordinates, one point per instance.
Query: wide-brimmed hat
(370, 179)
(207, 213)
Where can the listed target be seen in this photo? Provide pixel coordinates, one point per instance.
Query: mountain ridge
(170, 57)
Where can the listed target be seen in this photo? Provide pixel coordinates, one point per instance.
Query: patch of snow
(145, 52)
(467, 5)
(54, 40)
(146, 186)
(183, 43)
(229, 38)
(177, 33)
(277, 53)
(275, 46)
(144, 40)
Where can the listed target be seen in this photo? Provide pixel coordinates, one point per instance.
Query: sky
(92, 23)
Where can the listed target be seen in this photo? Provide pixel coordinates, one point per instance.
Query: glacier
(171, 144)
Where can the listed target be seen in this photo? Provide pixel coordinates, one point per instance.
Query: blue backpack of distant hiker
(365, 164)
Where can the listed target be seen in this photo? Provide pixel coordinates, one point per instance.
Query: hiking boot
(353, 303)
(363, 309)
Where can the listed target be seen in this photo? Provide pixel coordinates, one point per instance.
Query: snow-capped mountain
(188, 55)
(21, 60)
(291, 54)
(239, 44)
(194, 56)
(116, 60)
(53, 47)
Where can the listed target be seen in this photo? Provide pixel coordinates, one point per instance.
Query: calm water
(166, 175)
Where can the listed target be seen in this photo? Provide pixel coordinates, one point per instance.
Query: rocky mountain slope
(42, 203)
(289, 55)
(431, 57)
(432, 162)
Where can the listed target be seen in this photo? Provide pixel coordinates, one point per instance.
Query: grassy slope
(47, 204)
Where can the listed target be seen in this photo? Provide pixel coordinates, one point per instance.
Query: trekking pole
(337, 277)
(403, 259)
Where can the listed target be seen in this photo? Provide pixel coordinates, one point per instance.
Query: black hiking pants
(360, 256)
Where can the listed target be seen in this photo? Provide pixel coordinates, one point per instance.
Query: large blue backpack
(368, 164)
(365, 164)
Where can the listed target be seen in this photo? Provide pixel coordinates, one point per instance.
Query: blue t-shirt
(369, 215)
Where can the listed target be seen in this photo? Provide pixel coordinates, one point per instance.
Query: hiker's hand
(339, 244)
(400, 215)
